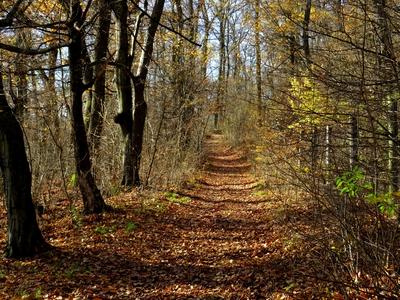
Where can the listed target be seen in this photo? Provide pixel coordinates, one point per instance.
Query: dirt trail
(220, 245)
(223, 234)
(228, 242)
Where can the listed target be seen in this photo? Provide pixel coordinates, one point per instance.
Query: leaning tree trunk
(23, 234)
(140, 113)
(92, 200)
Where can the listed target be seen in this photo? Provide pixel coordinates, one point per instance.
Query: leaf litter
(225, 242)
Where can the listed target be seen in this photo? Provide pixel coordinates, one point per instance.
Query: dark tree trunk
(99, 89)
(124, 89)
(306, 36)
(140, 113)
(354, 140)
(88, 75)
(92, 199)
(23, 235)
(139, 118)
(292, 50)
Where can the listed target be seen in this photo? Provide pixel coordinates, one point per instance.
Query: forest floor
(223, 236)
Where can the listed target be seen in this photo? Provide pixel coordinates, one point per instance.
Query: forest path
(220, 245)
(229, 240)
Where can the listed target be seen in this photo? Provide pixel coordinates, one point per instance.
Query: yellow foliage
(307, 102)
(45, 8)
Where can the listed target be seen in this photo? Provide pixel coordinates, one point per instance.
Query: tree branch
(28, 51)
(149, 40)
(8, 20)
(165, 26)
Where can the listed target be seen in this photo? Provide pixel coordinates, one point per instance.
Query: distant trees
(328, 48)
(332, 122)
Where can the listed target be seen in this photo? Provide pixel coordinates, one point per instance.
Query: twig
(165, 26)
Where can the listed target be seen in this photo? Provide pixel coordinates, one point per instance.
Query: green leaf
(131, 226)
(73, 181)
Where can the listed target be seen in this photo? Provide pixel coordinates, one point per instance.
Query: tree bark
(354, 140)
(99, 88)
(92, 199)
(21, 97)
(222, 66)
(124, 90)
(307, 55)
(51, 86)
(258, 63)
(390, 72)
(139, 81)
(23, 234)
(139, 118)
(328, 137)
(306, 36)
(207, 28)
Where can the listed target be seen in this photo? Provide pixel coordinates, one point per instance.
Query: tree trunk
(124, 90)
(51, 86)
(184, 71)
(307, 55)
(139, 118)
(140, 113)
(314, 148)
(222, 67)
(292, 51)
(258, 63)
(354, 140)
(339, 13)
(92, 199)
(88, 75)
(23, 234)
(328, 137)
(21, 99)
(393, 153)
(306, 37)
(390, 72)
(204, 49)
(99, 89)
